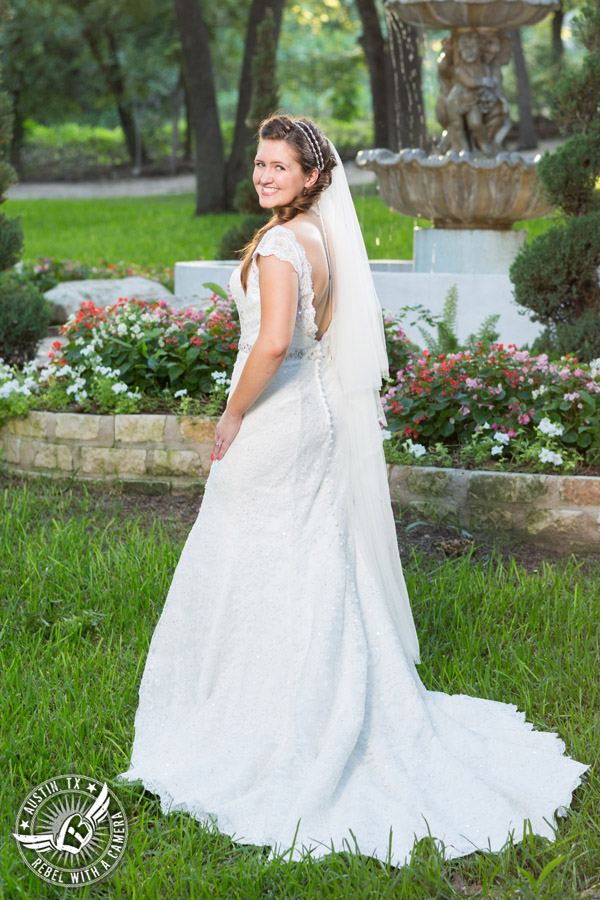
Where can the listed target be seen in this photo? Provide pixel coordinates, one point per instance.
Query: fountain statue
(470, 188)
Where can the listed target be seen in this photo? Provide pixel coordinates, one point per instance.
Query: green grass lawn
(83, 582)
(164, 230)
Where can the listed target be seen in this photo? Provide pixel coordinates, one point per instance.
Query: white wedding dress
(277, 702)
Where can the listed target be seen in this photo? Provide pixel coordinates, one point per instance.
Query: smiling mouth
(268, 192)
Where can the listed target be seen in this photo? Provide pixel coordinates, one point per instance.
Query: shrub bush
(24, 319)
(556, 275)
(235, 239)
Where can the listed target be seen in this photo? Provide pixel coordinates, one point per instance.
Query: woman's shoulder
(306, 232)
(281, 242)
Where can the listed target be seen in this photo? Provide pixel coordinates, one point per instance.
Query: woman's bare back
(307, 229)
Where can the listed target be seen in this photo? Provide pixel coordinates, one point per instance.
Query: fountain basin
(472, 13)
(458, 190)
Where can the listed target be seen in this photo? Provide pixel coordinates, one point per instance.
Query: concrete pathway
(132, 187)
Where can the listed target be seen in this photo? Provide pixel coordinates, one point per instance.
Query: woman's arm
(278, 282)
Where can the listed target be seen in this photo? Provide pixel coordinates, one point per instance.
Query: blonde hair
(284, 128)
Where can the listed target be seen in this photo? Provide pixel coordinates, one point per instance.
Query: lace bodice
(281, 242)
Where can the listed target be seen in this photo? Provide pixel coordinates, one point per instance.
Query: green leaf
(174, 371)
(216, 289)
(192, 354)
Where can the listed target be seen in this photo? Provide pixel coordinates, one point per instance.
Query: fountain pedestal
(475, 250)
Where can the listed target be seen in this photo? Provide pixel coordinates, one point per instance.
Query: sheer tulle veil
(357, 342)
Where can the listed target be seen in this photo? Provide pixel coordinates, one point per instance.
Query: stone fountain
(470, 188)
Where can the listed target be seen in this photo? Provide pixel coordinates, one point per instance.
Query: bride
(280, 700)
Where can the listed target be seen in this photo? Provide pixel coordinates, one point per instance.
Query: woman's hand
(227, 428)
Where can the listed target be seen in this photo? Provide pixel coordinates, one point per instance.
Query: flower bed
(489, 408)
(134, 356)
(497, 407)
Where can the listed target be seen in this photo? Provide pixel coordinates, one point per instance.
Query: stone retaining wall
(150, 453)
(558, 511)
(161, 454)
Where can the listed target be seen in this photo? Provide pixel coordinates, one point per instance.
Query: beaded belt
(293, 352)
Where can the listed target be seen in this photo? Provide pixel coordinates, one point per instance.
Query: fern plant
(446, 339)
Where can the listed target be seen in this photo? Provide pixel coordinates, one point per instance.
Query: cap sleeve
(282, 243)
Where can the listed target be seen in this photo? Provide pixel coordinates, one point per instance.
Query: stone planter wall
(558, 511)
(159, 454)
(149, 453)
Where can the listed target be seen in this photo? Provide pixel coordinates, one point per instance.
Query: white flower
(549, 428)
(486, 426)
(386, 435)
(550, 456)
(416, 449)
(539, 391)
(119, 387)
(501, 437)
(496, 450)
(180, 393)
(122, 328)
(220, 377)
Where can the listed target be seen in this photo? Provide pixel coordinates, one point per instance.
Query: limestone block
(492, 487)
(433, 512)
(532, 487)
(176, 462)
(109, 461)
(67, 297)
(142, 429)
(580, 491)
(198, 428)
(77, 426)
(33, 425)
(50, 456)
(204, 451)
(11, 448)
(559, 521)
(427, 481)
(490, 518)
(397, 479)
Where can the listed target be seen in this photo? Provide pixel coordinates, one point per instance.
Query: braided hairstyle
(313, 151)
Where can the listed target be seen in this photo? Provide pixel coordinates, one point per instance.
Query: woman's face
(278, 176)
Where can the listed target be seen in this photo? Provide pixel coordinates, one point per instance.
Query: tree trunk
(177, 97)
(243, 137)
(187, 146)
(210, 160)
(405, 63)
(373, 44)
(18, 138)
(557, 44)
(113, 76)
(527, 135)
